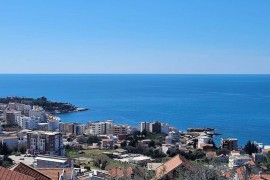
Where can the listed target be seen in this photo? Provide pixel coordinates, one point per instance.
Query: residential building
(107, 144)
(44, 161)
(38, 111)
(168, 147)
(101, 128)
(165, 128)
(66, 128)
(145, 126)
(166, 171)
(175, 135)
(29, 171)
(28, 122)
(44, 142)
(119, 129)
(229, 143)
(155, 127)
(239, 160)
(79, 129)
(53, 124)
(202, 140)
(10, 116)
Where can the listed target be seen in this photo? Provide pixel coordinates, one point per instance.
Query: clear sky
(135, 36)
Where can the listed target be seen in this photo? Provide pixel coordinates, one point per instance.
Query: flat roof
(52, 159)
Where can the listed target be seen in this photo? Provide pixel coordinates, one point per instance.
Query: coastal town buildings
(119, 129)
(43, 142)
(155, 127)
(28, 122)
(144, 126)
(100, 128)
(38, 111)
(165, 128)
(10, 116)
(229, 143)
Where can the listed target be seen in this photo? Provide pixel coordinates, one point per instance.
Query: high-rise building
(155, 127)
(101, 128)
(144, 126)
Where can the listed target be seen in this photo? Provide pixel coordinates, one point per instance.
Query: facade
(119, 129)
(107, 143)
(43, 142)
(11, 116)
(53, 125)
(229, 143)
(53, 162)
(203, 140)
(101, 128)
(66, 128)
(28, 122)
(155, 127)
(145, 126)
(38, 112)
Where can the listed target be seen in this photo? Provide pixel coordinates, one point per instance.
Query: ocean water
(237, 105)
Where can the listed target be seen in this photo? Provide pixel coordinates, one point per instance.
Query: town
(35, 144)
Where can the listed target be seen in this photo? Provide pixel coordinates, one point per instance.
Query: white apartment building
(100, 128)
(28, 122)
(145, 126)
(38, 112)
(53, 123)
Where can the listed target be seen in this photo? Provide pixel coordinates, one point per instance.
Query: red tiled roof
(54, 173)
(29, 171)
(170, 165)
(119, 172)
(260, 177)
(7, 174)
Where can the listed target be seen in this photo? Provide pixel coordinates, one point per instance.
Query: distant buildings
(43, 142)
(155, 127)
(100, 128)
(229, 143)
(119, 129)
(145, 126)
(28, 122)
(10, 116)
(72, 128)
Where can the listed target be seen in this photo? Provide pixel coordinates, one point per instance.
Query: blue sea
(237, 106)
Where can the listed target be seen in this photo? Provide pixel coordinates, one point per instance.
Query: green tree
(250, 148)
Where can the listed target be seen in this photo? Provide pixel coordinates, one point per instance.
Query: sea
(238, 106)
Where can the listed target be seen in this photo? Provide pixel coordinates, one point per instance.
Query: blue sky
(139, 36)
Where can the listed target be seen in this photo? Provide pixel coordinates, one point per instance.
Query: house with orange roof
(7, 174)
(121, 172)
(169, 168)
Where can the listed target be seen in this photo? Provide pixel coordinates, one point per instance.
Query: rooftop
(13, 175)
(29, 171)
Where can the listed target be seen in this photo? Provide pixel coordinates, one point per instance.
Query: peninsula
(51, 107)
